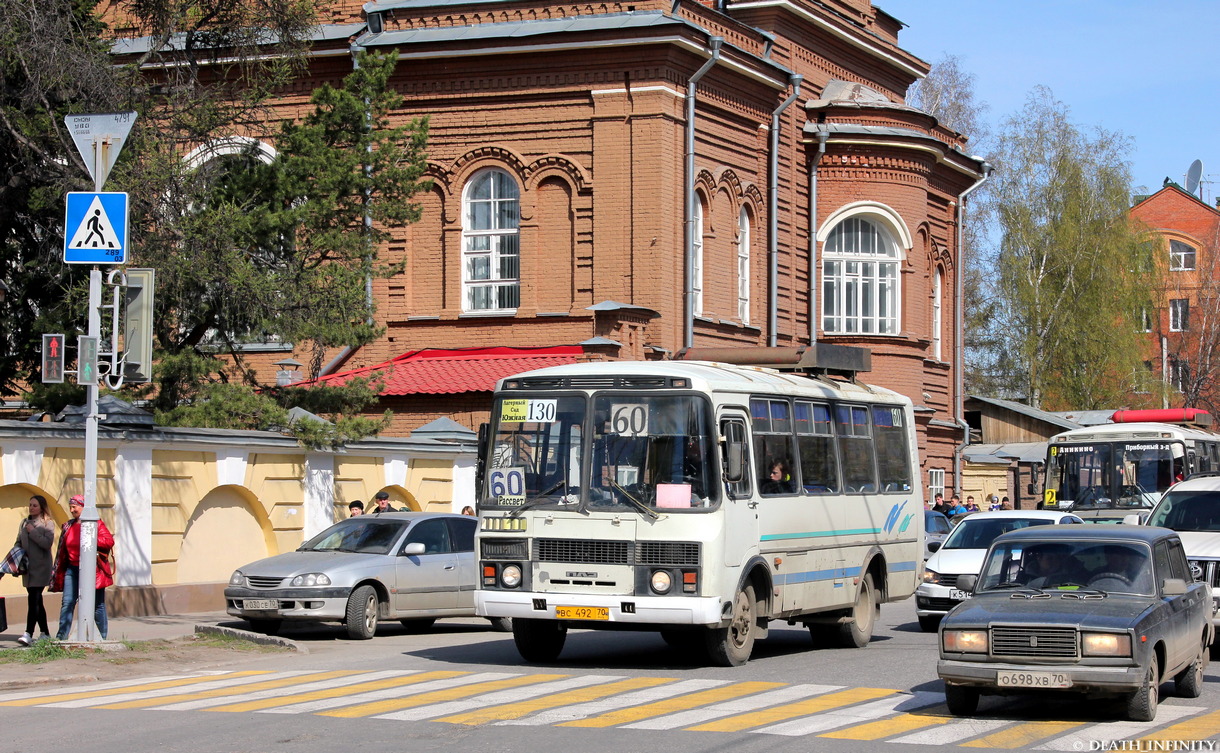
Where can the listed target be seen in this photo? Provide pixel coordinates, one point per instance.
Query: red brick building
(1184, 328)
(638, 178)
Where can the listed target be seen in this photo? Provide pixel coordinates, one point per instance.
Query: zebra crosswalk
(494, 698)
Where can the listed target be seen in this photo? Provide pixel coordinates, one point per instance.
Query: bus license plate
(1033, 680)
(957, 595)
(582, 613)
(260, 604)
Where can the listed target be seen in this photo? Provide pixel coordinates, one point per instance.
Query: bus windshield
(1106, 475)
(645, 451)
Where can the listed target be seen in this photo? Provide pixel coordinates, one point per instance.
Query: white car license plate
(260, 604)
(957, 595)
(1033, 680)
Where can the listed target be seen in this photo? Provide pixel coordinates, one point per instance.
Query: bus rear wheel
(858, 630)
(731, 646)
(539, 640)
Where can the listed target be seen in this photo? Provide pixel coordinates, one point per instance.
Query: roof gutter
(813, 235)
(772, 211)
(714, 45)
(959, 327)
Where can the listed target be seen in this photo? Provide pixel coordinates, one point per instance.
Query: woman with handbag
(66, 577)
(35, 536)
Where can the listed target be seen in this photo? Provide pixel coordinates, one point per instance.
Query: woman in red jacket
(67, 570)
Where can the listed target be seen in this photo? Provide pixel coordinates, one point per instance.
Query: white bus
(1124, 466)
(701, 500)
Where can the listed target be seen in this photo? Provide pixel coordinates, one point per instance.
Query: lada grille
(1211, 571)
(579, 551)
(1035, 641)
(505, 549)
(679, 553)
(262, 581)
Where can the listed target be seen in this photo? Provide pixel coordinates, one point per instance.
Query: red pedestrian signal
(52, 359)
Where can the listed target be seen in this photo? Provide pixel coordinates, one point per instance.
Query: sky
(1145, 68)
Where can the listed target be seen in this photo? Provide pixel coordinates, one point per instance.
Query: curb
(247, 635)
(34, 681)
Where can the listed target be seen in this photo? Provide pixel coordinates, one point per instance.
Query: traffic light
(86, 360)
(138, 326)
(52, 359)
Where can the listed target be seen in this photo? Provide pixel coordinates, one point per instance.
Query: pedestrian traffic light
(86, 360)
(138, 326)
(52, 359)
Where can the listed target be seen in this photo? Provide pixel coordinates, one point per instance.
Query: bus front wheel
(857, 631)
(539, 640)
(731, 646)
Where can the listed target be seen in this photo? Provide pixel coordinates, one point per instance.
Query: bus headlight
(510, 576)
(661, 581)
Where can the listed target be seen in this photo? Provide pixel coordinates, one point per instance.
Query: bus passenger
(779, 480)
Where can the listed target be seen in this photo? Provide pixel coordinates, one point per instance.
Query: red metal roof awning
(435, 371)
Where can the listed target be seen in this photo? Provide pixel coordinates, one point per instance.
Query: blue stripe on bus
(837, 573)
(818, 534)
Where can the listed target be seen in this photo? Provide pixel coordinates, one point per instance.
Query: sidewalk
(163, 626)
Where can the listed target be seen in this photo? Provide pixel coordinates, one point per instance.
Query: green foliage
(1073, 273)
(41, 651)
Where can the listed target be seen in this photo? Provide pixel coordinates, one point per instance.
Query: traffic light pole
(87, 629)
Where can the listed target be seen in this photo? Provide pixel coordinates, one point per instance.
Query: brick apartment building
(626, 180)
(1184, 328)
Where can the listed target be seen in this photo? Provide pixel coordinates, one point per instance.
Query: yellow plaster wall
(278, 482)
(222, 535)
(179, 480)
(431, 483)
(356, 478)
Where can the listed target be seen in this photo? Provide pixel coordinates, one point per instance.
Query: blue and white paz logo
(95, 228)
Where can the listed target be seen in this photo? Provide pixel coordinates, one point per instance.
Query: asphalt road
(462, 687)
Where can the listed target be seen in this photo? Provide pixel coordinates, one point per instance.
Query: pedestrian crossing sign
(95, 228)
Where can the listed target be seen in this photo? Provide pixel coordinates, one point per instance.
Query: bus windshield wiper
(635, 502)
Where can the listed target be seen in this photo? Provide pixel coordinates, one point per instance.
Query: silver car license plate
(260, 604)
(1033, 680)
(957, 595)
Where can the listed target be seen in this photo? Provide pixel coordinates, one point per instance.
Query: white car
(962, 554)
(1192, 508)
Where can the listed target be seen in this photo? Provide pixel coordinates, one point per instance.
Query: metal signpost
(95, 232)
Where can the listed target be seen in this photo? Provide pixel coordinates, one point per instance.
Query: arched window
(743, 266)
(697, 259)
(860, 279)
(491, 252)
(937, 314)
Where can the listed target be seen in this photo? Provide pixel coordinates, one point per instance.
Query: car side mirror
(1132, 519)
(413, 549)
(1174, 587)
(967, 582)
(934, 546)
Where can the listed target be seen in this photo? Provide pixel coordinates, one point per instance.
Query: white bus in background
(701, 500)
(1127, 465)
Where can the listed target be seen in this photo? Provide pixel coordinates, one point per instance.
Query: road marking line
(854, 714)
(377, 708)
(892, 726)
(592, 708)
(681, 703)
(91, 694)
(253, 692)
(583, 695)
(373, 681)
(736, 706)
(224, 692)
(952, 731)
(422, 683)
(479, 705)
(1119, 730)
(791, 710)
(1022, 735)
(1199, 728)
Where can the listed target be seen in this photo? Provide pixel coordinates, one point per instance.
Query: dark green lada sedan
(1110, 610)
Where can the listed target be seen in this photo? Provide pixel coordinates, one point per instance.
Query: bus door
(740, 506)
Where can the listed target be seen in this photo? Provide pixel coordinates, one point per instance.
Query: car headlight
(1105, 644)
(237, 578)
(966, 641)
(931, 576)
(312, 579)
(661, 581)
(510, 576)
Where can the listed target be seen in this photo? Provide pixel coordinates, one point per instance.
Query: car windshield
(978, 533)
(1188, 511)
(1068, 566)
(365, 534)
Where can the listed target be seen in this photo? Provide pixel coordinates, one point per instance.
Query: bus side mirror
(734, 452)
(480, 462)
(1029, 489)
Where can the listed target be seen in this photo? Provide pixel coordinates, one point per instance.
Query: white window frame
(499, 246)
(861, 286)
(743, 266)
(1145, 318)
(1182, 256)
(1179, 373)
(937, 314)
(936, 482)
(1179, 315)
(697, 258)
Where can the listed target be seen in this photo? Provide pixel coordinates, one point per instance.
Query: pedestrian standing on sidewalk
(36, 535)
(67, 570)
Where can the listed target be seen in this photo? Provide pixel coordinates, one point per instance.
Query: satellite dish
(1193, 173)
